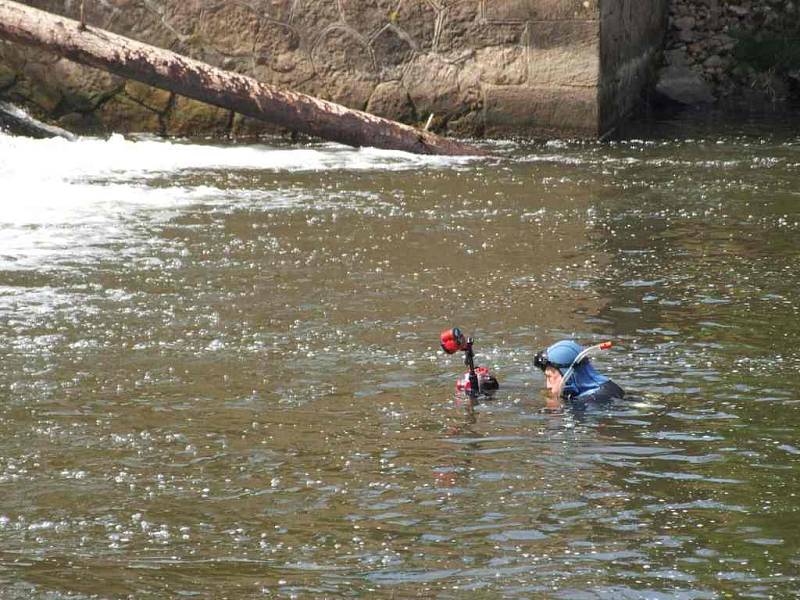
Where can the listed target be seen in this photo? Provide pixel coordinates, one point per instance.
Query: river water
(220, 372)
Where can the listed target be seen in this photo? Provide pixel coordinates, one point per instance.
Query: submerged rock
(684, 86)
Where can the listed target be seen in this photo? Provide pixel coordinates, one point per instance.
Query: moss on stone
(82, 123)
(7, 78)
(247, 128)
(191, 118)
(152, 98)
(26, 92)
(123, 115)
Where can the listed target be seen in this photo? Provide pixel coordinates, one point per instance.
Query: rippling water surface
(220, 374)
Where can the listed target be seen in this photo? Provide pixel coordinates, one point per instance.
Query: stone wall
(631, 41)
(741, 54)
(481, 67)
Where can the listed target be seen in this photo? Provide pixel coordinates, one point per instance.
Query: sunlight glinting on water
(222, 369)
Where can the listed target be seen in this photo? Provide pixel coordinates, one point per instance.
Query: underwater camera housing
(476, 381)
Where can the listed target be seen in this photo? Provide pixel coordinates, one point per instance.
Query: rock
(684, 86)
(695, 49)
(713, 62)
(247, 128)
(391, 100)
(192, 118)
(432, 83)
(82, 123)
(724, 41)
(684, 23)
(123, 115)
(26, 92)
(7, 78)
(392, 46)
(546, 110)
(739, 11)
(150, 97)
(467, 125)
(677, 57)
(83, 88)
(345, 67)
(687, 35)
(509, 66)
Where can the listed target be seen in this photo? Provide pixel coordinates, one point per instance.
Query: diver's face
(553, 380)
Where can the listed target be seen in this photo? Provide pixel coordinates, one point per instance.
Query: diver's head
(555, 362)
(564, 376)
(559, 356)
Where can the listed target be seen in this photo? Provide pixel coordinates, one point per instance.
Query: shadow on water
(221, 373)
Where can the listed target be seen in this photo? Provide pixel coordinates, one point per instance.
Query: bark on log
(170, 71)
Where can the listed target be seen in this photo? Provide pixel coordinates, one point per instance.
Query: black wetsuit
(602, 395)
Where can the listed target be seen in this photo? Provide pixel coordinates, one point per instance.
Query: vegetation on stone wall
(767, 51)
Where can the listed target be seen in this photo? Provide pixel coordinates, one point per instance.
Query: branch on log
(164, 69)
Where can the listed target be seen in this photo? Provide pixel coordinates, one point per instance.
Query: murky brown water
(220, 372)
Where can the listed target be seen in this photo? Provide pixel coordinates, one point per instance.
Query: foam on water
(61, 195)
(118, 158)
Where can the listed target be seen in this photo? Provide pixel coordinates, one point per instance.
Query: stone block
(393, 49)
(11, 56)
(433, 84)
(500, 65)
(418, 19)
(564, 53)
(391, 100)
(82, 123)
(541, 110)
(290, 70)
(369, 16)
(83, 88)
(190, 118)
(7, 77)
(137, 19)
(276, 10)
(463, 29)
(121, 114)
(33, 89)
(152, 98)
(312, 17)
(230, 28)
(247, 128)
(521, 11)
(345, 67)
(278, 47)
(461, 22)
(183, 16)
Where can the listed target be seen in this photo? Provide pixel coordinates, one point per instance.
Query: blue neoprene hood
(584, 378)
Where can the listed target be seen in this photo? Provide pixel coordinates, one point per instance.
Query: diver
(571, 377)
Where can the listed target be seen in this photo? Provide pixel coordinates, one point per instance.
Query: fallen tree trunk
(170, 71)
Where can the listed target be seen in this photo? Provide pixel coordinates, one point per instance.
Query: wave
(60, 195)
(118, 157)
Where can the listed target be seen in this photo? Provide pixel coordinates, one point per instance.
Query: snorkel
(565, 377)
